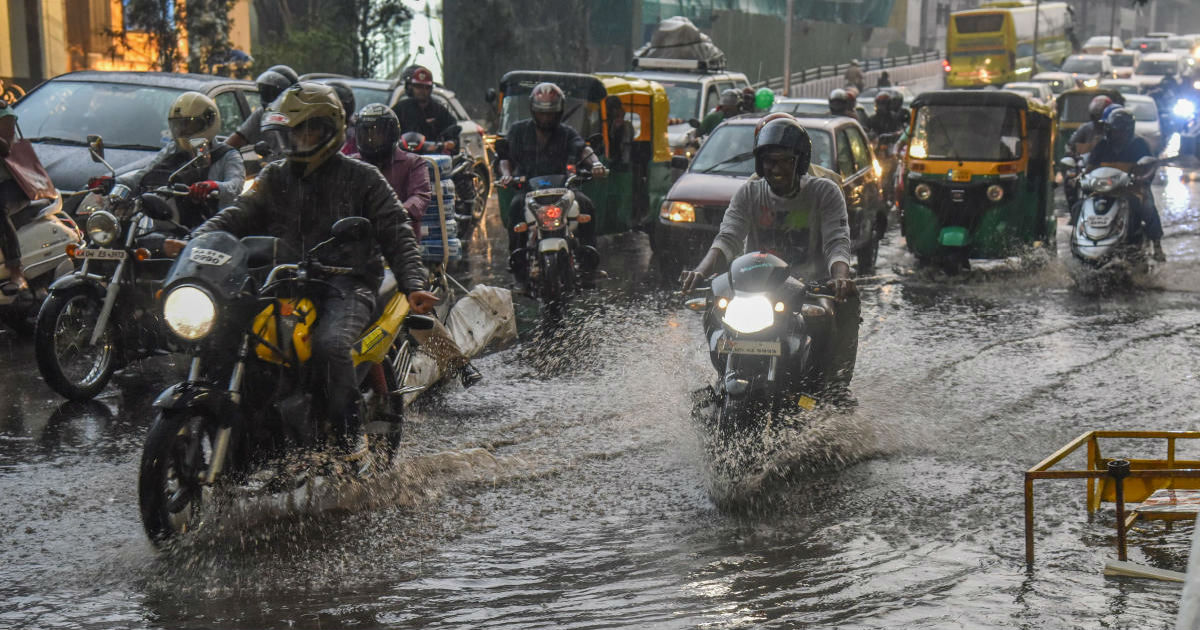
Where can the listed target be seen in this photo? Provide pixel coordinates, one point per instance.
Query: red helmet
(421, 76)
(1097, 106)
(881, 100)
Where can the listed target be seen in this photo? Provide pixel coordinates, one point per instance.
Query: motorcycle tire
(483, 189)
(60, 329)
(177, 451)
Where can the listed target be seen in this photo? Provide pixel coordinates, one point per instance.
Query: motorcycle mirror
(351, 229)
(694, 122)
(490, 95)
(199, 146)
(697, 304)
(262, 148)
(156, 207)
(1067, 162)
(679, 162)
(96, 147)
(596, 141)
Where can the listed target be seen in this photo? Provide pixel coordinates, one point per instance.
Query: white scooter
(44, 231)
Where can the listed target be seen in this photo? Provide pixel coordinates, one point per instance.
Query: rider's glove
(200, 190)
(599, 171)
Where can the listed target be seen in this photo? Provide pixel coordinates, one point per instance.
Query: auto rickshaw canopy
(584, 97)
(648, 103)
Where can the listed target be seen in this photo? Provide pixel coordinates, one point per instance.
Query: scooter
(44, 231)
(1107, 235)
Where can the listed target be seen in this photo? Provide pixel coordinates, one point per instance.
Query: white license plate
(758, 348)
(101, 254)
(1099, 221)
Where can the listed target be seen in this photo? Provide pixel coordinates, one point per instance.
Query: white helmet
(193, 115)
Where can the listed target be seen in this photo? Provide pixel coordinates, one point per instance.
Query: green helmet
(308, 124)
(764, 98)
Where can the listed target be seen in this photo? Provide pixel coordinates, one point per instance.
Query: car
(692, 89)
(366, 91)
(1087, 70)
(1123, 61)
(1059, 82)
(1147, 123)
(802, 106)
(1155, 66)
(1039, 91)
(1186, 46)
(1147, 45)
(128, 110)
(1160, 35)
(692, 211)
(1100, 43)
(1124, 86)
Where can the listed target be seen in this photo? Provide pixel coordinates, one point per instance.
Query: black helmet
(346, 96)
(287, 72)
(786, 133)
(839, 102)
(270, 85)
(547, 98)
(376, 131)
(1119, 124)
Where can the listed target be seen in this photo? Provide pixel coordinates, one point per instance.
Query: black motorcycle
(102, 317)
(766, 334)
(246, 417)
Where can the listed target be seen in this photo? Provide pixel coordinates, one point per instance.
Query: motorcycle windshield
(757, 272)
(547, 181)
(216, 260)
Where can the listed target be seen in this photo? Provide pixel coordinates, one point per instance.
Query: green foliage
(208, 27)
(159, 20)
(340, 36)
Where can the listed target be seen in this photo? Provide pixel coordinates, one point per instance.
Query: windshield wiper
(53, 140)
(132, 146)
(731, 160)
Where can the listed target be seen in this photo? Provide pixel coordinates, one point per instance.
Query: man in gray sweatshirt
(800, 218)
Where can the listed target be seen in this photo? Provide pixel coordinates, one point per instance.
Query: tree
(208, 26)
(342, 36)
(159, 21)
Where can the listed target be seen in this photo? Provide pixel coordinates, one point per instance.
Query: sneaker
(469, 375)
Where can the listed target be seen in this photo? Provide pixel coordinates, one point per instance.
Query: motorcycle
(45, 232)
(470, 185)
(765, 333)
(1107, 233)
(550, 262)
(242, 336)
(886, 157)
(101, 317)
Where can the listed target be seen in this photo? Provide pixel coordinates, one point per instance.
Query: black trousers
(12, 199)
(345, 310)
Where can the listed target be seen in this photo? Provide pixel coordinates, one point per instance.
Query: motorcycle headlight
(1104, 185)
(995, 192)
(749, 314)
(1184, 109)
(923, 192)
(103, 228)
(189, 312)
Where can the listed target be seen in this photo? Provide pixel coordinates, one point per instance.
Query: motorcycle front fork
(234, 391)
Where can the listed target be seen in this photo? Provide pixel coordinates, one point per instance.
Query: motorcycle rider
(730, 106)
(762, 216)
(1121, 148)
(298, 199)
(544, 145)
(270, 85)
(379, 145)
(419, 112)
(840, 103)
(12, 198)
(192, 115)
(882, 121)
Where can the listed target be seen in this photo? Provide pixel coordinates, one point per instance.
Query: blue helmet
(1108, 112)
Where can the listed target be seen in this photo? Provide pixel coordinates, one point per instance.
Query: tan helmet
(193, 115)
(308, 123)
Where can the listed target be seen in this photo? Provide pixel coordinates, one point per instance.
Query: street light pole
(1112, 24)
(1037, 8)
(787, 51)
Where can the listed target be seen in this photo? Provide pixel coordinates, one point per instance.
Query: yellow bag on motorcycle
(286, 325)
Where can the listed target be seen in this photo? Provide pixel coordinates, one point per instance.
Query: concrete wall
(900, 75)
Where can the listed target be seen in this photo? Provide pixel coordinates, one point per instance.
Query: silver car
(1146, 121)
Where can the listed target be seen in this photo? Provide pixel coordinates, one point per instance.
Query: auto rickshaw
(979, 177)
(633, 187)
(1072, 112)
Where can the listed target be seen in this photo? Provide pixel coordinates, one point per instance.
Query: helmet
(883, 101)
(412, 141)
(1120, 125)
(1108, 111)
(764, 98)
(270, 85)
(287, 72)
(420, 75)
(762, 122)
(193, 115)
(785, 133)
(309, 124)
(730, 98)
(897, 102)
(1097, 106)
(376, 131)
(345, 97)
(839, 102)
(547, 98)
(852, 97)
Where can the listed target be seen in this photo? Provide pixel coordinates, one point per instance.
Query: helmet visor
(373, 139)
(304, 139)
(187, 127)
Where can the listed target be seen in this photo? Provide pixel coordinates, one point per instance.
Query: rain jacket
(301, 211)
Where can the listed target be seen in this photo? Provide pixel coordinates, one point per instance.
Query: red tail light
(553, 212)
(945, 65)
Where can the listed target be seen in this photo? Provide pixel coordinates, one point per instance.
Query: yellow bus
(993, 45)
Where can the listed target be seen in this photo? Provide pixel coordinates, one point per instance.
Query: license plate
(101, 254)
(960, 176)
(1099, 221)
(758, 348)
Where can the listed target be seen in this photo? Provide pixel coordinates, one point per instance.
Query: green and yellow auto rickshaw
(1071, 111)
(979, 178)
(639, 178)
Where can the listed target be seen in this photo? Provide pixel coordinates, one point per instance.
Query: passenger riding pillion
(270, 85)
(544, 145)
(1122, 149)
(298, 200)
(378, 134)
(193, 116)
(803, 220)
(1090, 132)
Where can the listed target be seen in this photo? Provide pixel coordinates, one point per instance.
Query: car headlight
(189, 312)
(103, 228)
(923, 192)
(1091, 83)
(995, 192)
(749, 314)
(678, 211)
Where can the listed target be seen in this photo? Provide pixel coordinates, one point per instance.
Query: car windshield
(1082, 65)
(365, 96)
(1143, 111)
(1123, 88)
(819, 107)
(1180, 42)
(1102, 40)
(985, 133)
(125, 115)
(684, 99)
(1123, 60)
(1150, 45)
(730, 151)
(1160, 68)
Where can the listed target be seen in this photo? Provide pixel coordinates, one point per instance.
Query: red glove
(200, 190)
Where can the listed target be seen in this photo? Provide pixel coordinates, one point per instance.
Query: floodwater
(570, 488)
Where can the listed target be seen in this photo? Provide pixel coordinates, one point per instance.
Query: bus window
(987, 23)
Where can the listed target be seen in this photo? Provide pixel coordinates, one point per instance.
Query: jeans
(345, 310)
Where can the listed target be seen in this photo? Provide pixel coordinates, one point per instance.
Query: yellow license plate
(960, 176)
(806, 403)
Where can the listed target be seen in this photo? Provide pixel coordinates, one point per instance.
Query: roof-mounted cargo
(679, 46)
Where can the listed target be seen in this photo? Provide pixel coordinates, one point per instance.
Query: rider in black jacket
(299, 199)
(418, 111)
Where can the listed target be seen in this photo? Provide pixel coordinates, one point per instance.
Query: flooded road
(570, 488)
